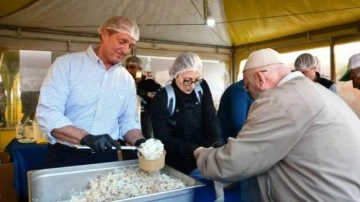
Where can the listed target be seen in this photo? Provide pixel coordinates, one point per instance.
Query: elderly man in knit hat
(300, 139)
(353, 71)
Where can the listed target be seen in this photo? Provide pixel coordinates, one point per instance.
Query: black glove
(99, 143)
(139, 142)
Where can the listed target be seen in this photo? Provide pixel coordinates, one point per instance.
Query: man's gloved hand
(99, 143)
(139, 142)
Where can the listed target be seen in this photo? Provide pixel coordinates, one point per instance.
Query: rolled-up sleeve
(53, 95)
(129, 120)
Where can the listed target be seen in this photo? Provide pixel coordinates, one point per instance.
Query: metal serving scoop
(122, 147)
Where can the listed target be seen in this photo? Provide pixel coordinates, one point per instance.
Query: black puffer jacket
(145, 86)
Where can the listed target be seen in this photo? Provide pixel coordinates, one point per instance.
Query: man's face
(249, 85)
(355, 77)
(133, 69)
(115, 46)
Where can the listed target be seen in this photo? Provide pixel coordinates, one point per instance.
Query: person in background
(302, 148)
(233, 109)
(353, 71)
(146, 89)
(193, 123)
(29, 101)
(232, 113)
(88, 98)
(308, 65)
(3, 104)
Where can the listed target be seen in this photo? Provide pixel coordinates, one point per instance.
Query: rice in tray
(126, 183)
(152, 149)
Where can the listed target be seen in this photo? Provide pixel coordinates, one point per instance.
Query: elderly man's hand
(197, 151)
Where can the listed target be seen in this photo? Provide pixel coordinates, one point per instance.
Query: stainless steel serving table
(58, 184)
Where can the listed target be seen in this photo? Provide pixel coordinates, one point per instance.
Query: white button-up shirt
(79, 91)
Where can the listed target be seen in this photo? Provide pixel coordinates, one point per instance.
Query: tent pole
(332, 61)
(232, 66)
(205, 4)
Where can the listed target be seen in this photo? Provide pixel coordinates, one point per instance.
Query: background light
(210, 21)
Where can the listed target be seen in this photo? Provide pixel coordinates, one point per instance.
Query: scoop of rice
(152, 149)
(124, 183)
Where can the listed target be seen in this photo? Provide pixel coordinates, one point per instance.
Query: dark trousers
(59, 155)
(146, 126)
(128, 154)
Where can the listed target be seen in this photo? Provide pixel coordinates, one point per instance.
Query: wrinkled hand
(197, 151)
(99, 143)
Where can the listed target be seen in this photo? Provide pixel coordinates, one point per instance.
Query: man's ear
(104, 33)
(259, 80)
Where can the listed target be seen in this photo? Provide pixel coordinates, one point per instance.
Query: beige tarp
(241, 25)
(183, 21)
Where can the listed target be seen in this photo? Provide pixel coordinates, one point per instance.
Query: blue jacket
(233, 109)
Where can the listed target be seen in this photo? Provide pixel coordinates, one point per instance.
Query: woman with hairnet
(193, 122)
(308, 65)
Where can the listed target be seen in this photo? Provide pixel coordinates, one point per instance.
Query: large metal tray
(58, 184)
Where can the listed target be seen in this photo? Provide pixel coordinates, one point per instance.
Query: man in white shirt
(88, 98)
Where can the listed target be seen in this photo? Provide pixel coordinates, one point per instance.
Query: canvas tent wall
(167, 25)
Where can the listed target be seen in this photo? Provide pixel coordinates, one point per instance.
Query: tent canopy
(238, 22)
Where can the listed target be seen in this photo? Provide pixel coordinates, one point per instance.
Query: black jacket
(192, 125)
(145, 86)
(323, 81)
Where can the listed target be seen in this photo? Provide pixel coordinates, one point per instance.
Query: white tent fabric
(238, 22)
(165, 20)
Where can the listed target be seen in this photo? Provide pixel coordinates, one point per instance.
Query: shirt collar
(290, 76)
(92, 55)
(91, 52)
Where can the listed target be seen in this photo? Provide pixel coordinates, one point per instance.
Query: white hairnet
(123, 25)
(187, 61)
(305, 60)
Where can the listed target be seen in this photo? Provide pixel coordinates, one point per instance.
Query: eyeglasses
(131, 66)
(188, 82)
